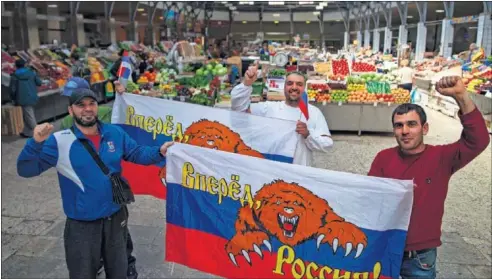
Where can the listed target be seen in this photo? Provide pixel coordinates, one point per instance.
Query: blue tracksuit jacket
(86, 192)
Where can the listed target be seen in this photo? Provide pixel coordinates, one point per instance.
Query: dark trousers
(86, 242)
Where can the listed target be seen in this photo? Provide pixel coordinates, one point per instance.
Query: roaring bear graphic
(214, 135)
(293, 215)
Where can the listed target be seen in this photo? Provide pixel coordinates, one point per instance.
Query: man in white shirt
(313, 136)
(406, 75)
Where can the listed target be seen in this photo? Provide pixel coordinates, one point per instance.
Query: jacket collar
(101, 127)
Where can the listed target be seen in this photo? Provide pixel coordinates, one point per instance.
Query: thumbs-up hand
(251, 74)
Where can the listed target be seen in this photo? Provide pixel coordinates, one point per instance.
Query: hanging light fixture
(276, 3)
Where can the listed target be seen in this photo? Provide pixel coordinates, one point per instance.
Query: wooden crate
(12, 121)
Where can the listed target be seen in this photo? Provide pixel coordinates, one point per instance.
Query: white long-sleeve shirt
(319, 135)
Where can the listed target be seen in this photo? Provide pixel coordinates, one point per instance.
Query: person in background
(431, 168)
(96, 227)
(103, 115)
(406, 75)
(77, 65)
(314, 133)
(264, 49)
(24, 93)
(143, 64)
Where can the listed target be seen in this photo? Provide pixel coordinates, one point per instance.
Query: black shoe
(132, 272)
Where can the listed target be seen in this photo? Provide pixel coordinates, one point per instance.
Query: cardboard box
(12, 121)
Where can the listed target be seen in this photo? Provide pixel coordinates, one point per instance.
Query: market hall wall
(333, 31)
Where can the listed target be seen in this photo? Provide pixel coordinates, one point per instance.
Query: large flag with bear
(241, 217)
(152, 121)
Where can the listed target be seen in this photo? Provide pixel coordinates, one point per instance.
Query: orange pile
(401, 95)
(361, 97)
(322, 97)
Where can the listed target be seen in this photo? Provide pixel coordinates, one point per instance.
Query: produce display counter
(358, 117)
(484, 104)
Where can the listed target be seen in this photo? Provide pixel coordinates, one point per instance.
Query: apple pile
(315, 89)
(339, 95)
(340, 67)
(362, 67)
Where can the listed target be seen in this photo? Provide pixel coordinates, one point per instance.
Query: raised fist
(451, 86)
(42, 132)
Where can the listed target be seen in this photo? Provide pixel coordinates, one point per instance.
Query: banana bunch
(472, 84)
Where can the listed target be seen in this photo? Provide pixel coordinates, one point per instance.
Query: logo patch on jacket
(111, 146)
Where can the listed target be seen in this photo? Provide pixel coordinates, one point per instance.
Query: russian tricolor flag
(125, 71)
(303, 105)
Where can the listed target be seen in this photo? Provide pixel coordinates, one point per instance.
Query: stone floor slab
(11, 243)
(143, 234)
(37, 246)
(28, 267)
(30, 227)
(449, 271)
(461, 253)
(481, 271)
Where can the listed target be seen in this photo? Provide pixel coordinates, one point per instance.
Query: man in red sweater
(430, 167)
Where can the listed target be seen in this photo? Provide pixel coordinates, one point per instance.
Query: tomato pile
(340, 67)
(362, 67)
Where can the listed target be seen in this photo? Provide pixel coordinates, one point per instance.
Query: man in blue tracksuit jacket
(96, 227)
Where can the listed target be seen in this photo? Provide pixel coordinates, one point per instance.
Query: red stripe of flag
(303, 105)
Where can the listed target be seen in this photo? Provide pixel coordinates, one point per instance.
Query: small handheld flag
(125, 70)
(303, 105)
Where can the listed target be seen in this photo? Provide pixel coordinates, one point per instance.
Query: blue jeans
(421, 265)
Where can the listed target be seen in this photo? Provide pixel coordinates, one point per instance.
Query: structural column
(421, 31)
(108, 30)
(375, 40)
(447, 31)
(26, 34)
(484, 33)
(421, 41)
(387, 11)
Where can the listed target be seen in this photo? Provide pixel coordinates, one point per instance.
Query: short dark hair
(19, 63)
(406, 108)
(296, 73)
(75, 56)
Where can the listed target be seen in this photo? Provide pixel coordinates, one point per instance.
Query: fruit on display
(337, 77)
(339, 95)
(391, 78)
(94, 65)
(385, 98)
(165, 75)
(362, 67)
(356, 87)
(340, 67)
(132, 87)
(6, 58)
(473, 84)
(8, 68)
(320, 97)
(314, 89)
(361, 96)
(485, 87)
(401, 95)
(355, 80)
(183, 91)
(150, 76)
(213, 68)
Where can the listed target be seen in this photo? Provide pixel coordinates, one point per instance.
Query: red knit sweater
(431, 171)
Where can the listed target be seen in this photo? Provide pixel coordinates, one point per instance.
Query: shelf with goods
(207, 85)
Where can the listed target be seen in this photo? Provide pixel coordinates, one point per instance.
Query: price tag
(389, 104)
(324, 103)
(339, 103)
(375, 104)
(276, 84)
